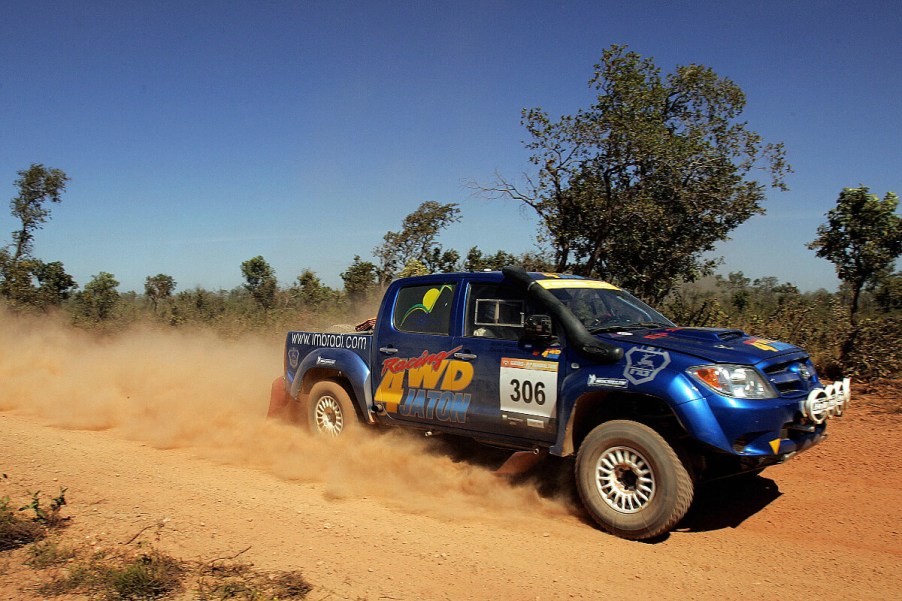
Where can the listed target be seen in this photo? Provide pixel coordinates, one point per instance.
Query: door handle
(388, 350)
(465, 356)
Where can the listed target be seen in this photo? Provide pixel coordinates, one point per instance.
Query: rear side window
(424, 309)
(495, 311)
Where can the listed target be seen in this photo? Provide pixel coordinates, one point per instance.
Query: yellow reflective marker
(775, 445)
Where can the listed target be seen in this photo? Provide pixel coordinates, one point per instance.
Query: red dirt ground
(149, 437)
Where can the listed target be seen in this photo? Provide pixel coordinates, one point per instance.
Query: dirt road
(152, 437)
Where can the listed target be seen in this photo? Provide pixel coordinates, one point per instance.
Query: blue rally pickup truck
(558, 364)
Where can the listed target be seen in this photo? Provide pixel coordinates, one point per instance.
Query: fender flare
(340, 364)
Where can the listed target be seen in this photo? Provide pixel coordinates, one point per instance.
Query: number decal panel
(528, 386)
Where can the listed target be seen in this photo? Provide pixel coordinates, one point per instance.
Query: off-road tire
(330, 411)
(631, 481)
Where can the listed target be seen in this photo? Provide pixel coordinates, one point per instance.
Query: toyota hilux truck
(568, 366)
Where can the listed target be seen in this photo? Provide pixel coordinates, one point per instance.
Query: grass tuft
(16, 531)
(149, 576)
(129, 573)
(49, 553)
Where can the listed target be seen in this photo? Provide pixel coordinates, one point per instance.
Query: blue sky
(200, 134)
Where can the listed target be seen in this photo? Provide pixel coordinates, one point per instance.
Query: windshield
(609, 309)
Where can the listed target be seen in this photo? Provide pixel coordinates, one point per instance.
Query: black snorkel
(583, 342)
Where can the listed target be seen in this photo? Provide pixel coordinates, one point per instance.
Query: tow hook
(801, 427)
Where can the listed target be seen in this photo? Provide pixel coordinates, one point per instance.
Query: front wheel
(330, 411)
(631, 480)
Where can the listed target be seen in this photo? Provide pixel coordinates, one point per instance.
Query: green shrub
(16, 531)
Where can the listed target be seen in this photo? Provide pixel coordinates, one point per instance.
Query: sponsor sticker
(431, 386)
(644, 363)
(606, 382)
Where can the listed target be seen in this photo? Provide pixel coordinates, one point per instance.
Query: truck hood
(711, 344)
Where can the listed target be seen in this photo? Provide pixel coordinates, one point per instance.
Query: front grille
(791, 377)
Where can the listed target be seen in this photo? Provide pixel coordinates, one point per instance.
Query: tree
(413, 268)
(16, 280)
(737, 286)
(37, 186)
(862, 238)
(417, 240)
(636, 187)
(158, 287)
(54, 284)
(477, 261)
(311, 291)
(530, 261)
(440, 261)
(260, 281)
(359, 278)
(99, 299)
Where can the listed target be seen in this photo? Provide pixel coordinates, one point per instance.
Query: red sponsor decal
(397, 365)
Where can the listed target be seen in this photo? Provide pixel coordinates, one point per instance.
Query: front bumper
(774, 429)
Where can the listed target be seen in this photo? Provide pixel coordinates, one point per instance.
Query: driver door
(515, 383)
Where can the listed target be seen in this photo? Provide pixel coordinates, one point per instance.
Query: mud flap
(519, 463)
(278, 398)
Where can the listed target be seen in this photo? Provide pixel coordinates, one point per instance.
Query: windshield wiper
(654, 324)
(642, 325)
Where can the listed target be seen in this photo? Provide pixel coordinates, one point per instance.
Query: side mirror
(537, 327)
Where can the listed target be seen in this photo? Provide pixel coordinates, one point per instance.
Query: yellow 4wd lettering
(428, 386)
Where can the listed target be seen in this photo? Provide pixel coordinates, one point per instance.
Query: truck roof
(545, 279)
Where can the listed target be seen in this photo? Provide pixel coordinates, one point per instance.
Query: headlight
(738, 381)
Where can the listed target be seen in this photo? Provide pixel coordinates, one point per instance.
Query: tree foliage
(477, 261)
(24, 280)
(260, 281)
(37, 185)
(417, 240)
(54, 285)
(862, 238)
(158, 287)
(888, 294)
(636, 187)
(412, 268)
(99, 299)
(311, 292)
(360, 278)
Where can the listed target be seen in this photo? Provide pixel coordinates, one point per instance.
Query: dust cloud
(193, 390)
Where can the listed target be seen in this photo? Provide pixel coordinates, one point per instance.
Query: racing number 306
(526, 391)
(528, 386)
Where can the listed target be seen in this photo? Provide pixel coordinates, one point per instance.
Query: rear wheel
(330, 410)
(631, 480)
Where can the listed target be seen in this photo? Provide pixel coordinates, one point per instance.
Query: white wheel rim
(624, 479)
(328, 416)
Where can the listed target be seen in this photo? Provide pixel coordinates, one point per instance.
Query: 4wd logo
(643, 363)
(766, 345)
(427, 387)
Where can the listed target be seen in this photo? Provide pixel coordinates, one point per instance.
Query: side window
(424, 309)
(494, 311)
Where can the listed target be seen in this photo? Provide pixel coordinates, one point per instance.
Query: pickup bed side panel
(347, 358)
